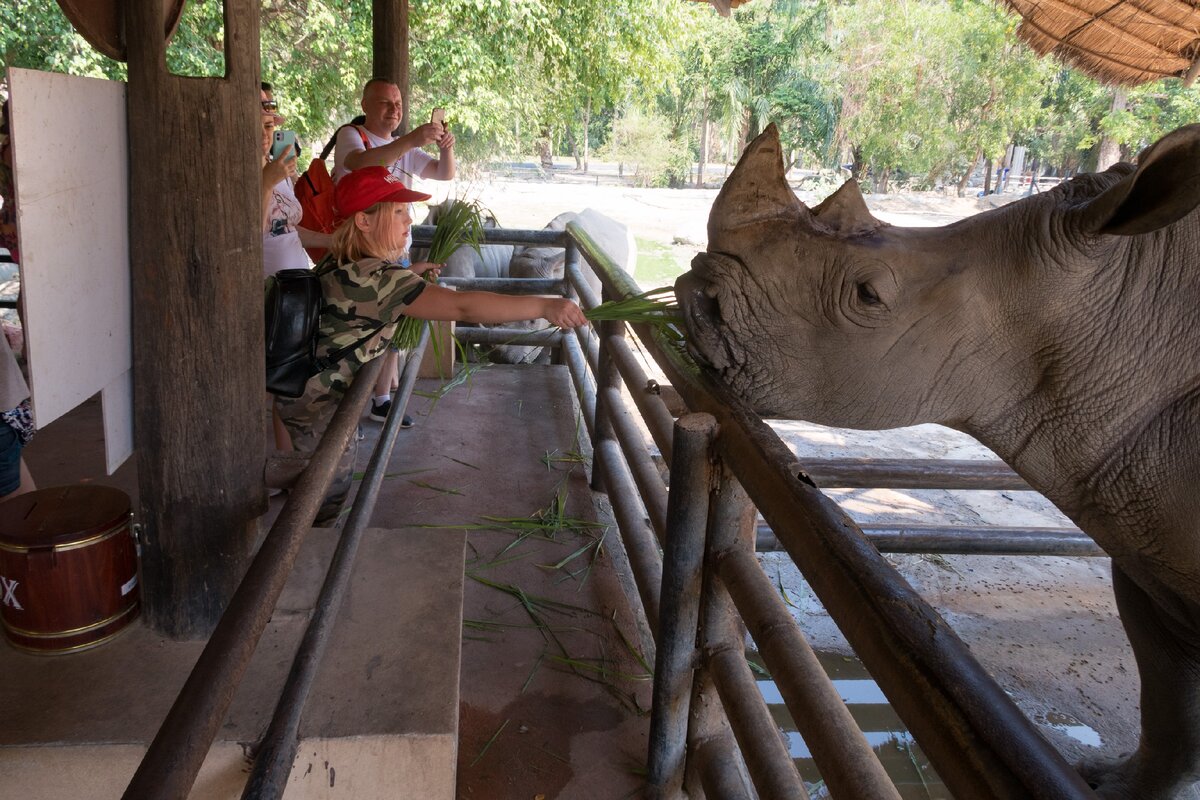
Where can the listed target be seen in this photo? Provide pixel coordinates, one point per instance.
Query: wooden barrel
(68, 568)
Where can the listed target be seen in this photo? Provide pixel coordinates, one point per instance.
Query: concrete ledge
(383, 711)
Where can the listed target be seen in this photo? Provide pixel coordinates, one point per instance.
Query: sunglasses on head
(269, 105)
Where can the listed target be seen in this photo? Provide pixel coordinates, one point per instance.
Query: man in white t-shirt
(384, 108)
(372, 145)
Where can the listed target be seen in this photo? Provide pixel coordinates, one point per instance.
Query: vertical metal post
(606, 376)
(683, 562)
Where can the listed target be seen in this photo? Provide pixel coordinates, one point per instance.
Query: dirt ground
(1045, 627)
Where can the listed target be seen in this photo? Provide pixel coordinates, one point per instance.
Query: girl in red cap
(369, 287)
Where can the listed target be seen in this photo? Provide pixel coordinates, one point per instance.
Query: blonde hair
(351, 243)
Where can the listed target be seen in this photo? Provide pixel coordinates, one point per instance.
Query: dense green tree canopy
(917, 92)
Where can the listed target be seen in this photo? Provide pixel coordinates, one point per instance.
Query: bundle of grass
(459, 224)
(656, 307)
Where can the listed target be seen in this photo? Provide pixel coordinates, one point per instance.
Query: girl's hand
(563, 313)
(422, 267)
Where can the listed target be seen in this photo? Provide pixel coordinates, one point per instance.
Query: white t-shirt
(281, 240)
(406, 167)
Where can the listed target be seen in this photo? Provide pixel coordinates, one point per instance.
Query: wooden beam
(389, 43)
(196, 262)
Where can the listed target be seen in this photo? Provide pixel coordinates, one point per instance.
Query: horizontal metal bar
(910, 473)
(954, 540)
(556, 286)
(423, 235)
(475, 334)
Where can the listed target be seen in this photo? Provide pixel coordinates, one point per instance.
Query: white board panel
(70, 164)
(116, 407)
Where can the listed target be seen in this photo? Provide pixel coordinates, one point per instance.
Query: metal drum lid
(62, 517)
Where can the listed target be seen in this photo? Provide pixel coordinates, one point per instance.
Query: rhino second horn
(845, 212)
(756, 191)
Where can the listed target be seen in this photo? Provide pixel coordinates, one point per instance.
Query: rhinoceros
(1062, 331)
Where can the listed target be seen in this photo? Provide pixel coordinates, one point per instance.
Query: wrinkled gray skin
(1062, 331)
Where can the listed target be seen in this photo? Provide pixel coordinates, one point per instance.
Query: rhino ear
(756, 191)
(845, 212)
(1164, 188)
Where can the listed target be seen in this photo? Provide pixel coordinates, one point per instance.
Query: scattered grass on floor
(432, 488)
(490, 742)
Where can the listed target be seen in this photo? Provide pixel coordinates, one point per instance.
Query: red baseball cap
(363, 188)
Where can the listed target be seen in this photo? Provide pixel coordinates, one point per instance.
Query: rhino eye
(867, 295)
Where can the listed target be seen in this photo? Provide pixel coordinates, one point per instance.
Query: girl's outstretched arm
(439, 303)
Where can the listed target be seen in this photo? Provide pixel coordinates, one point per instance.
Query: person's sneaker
(379, 411)
(406, 421)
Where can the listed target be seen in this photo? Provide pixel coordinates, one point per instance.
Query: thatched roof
(1125, 42)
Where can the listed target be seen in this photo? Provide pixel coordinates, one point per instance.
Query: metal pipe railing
(585, 386)
(911, 473)
(507, 285)
(771, 767)
(277, 751)
(174, 758)
(731, 529)
(679, 615)
(641, 465)
(847, 762)
(423, 235)
(473, 334)
(658, 418)
(637, 534)
(951, 539)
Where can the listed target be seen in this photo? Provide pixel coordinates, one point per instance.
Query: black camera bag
(292, 316)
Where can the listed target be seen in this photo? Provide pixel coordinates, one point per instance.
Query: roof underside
(1125, 42)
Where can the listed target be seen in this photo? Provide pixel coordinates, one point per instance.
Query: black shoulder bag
(293, 316)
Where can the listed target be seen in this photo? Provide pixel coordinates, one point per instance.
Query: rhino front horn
(756, 192)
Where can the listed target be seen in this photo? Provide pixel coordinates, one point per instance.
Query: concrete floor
(553, 697)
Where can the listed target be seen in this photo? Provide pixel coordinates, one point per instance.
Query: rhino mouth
(702, 318)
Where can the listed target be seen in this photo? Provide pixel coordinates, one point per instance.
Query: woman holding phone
(283, 238)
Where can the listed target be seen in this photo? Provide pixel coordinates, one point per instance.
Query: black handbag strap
(333, 359)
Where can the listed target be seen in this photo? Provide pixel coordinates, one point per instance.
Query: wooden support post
(389, 48)
(196, 261)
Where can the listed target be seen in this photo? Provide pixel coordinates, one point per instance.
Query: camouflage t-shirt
(357, 296)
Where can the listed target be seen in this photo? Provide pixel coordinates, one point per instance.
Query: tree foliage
(915, 92)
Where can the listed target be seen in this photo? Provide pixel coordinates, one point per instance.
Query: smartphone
(438, 117)
(285, 142)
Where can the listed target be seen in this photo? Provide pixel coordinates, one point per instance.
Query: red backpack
(314, 190)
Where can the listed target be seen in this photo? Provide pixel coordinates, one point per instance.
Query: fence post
(683, 562)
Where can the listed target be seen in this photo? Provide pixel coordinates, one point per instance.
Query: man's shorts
(10, 459)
